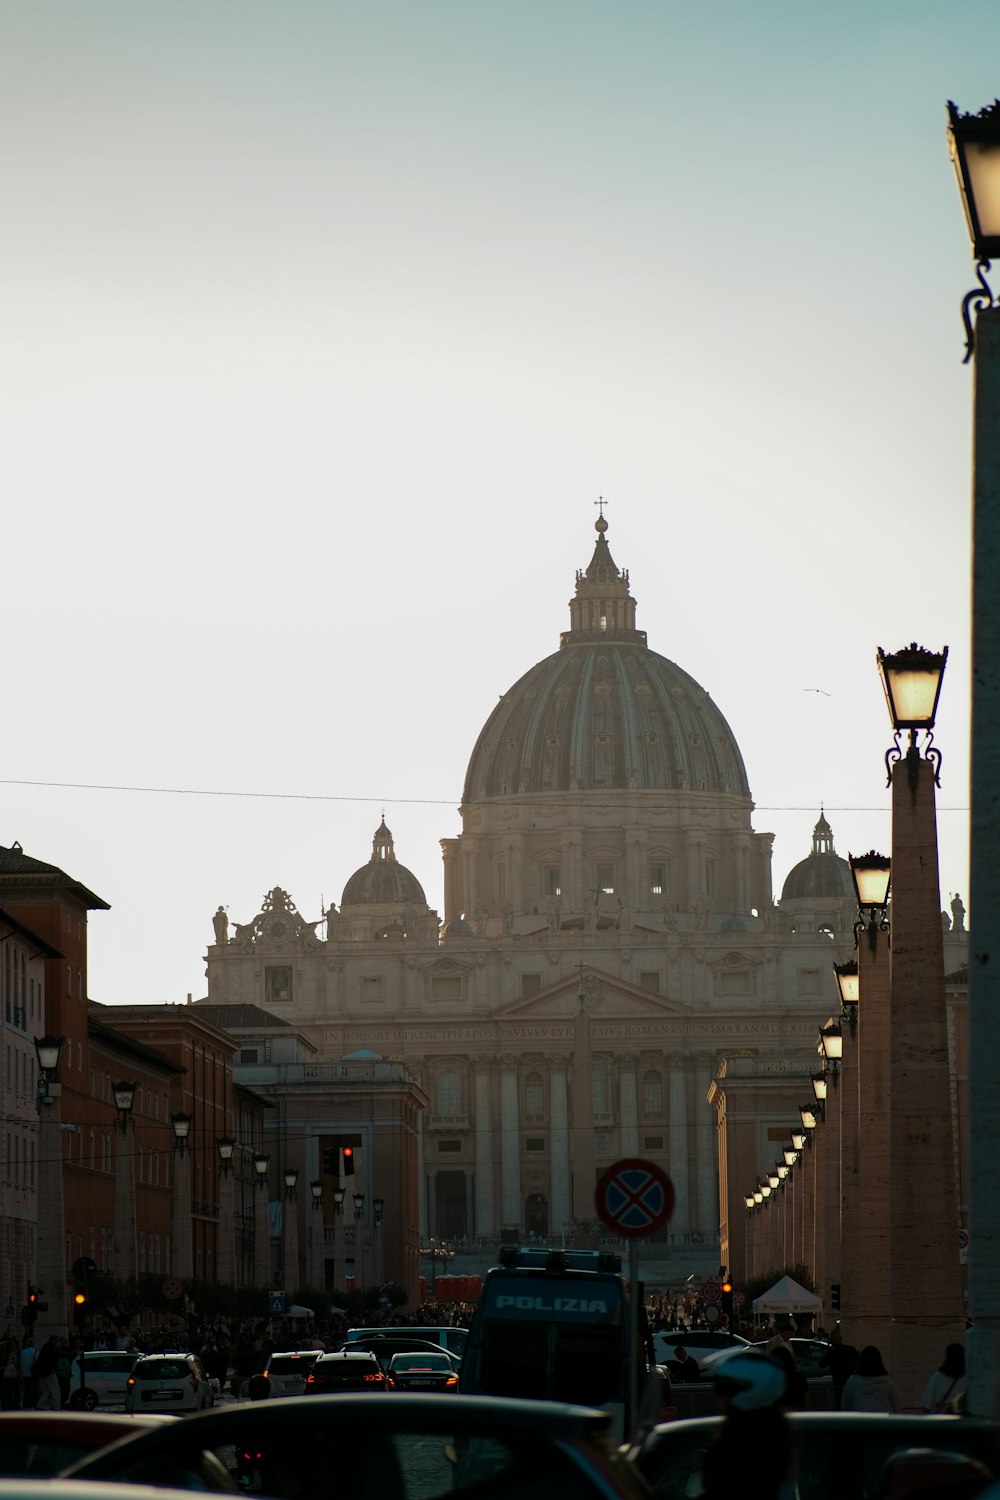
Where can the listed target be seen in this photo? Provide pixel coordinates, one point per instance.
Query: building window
(277, 984)
(446, 987)
(530, 984)
(551, 883)
(652, 1143)
(535, 1143)
(248, 1055)
(810, 982)
(652, 1095)
(606, 879)
(657, 879)
(602, 1142)
(449, 1095)
(372, 989)
(649, 979)
(534, 1097)
(737, 983)
(452, 1146)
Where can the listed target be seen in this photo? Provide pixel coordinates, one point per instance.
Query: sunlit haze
(325, 327)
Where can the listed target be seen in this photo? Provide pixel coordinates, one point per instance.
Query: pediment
(606, 998)
(447, 966)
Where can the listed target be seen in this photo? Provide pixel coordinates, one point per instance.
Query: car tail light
(373, 1379)
(451, 1384)
(310, 1379)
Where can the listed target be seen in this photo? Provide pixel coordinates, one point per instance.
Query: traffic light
(80, 1308)
(331, 1163)
(726, 1300)
(835, 1296)
(348, 1161)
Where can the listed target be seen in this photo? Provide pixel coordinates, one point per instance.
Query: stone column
(225, 1255)
(925, 1304)
(865, 1301)
(707, 1212)
(584, 1182)
(833, 1195)
(125, 1254)
(317, 1244)
(290, 1259)
(339, 1248)
(627, 1068)
(851, 1228)
(485, 1211)
(559, 1189)
(677, 1143)
(181, 1250)
(423, 1218)
(822, 1150)
(261, 1236)
(50, 1264)
(360, 1264)
(510, 1145)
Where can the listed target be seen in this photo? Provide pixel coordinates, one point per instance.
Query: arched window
(652, 1095)
(449, 1095)
(534, 1097)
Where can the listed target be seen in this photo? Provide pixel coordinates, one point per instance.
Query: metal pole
(633, 1335)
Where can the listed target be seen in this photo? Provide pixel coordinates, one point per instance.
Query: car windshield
(161, 1369)
(419, 1362)
(290, 1364)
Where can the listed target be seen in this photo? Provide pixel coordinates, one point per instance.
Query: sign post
(634, 1198)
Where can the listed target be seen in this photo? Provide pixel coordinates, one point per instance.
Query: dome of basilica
(822, 874)
(383, 881)
(604, 712)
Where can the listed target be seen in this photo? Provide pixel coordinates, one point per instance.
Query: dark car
(350, 1370)
(385, 1346)
(404, 1447)
(39, 1443)
(423, 1372)
(840, 1454)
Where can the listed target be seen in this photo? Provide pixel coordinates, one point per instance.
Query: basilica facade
(610, 936)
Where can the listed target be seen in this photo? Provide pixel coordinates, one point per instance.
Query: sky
(326, 323)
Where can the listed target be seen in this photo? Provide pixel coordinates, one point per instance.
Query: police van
(555, 1325)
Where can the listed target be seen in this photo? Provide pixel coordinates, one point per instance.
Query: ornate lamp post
(925, 1306)
(261, 1234)
(291, 1257)
(50, 1268)
(225, 1255)
(125, 1253)
(182, 1255)
(974, 141)
(317, 1248)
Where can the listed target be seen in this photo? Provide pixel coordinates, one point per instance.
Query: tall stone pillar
(485, 1209)
(865, 1300)
(833, 1191)
(125, 1255)
(290, 1258)
(317, 1244)
(50, 1263)
(559, 1189)
(424, 1217)
(261, 1236)
(627, 1068)
(584, 1179)
(677, 1143)
(925, 1301)
(181, 1249)
(510, 1145)
(225, 1255)
(851, 1228)
(339, 1247)
(707, 1181)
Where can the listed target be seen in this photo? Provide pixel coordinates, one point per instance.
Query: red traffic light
(80, 1298)
(726, 1286)
(348, 1161)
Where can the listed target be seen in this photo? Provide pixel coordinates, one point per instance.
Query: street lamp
(126, 1256)
(50, 1240)
(291, 1245)
(871, 874)
(124, 1100)
(810, 1115)
(849, 990)
(912, 681)
(225, 1145)
(48, 1050)
(261, 1228)
(800, 1139)
(974, 142)
(818, 1081)
(291, 1175)
(261, 1162)
(182, 1129)
(791, 1156)
(316, 1188)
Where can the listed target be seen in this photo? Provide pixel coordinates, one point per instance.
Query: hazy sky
(324, 324)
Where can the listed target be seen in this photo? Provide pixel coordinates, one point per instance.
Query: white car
(169, 1382)
(286, 1371)
(104, 1379)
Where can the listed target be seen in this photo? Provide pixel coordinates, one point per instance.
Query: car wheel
(83, 1400)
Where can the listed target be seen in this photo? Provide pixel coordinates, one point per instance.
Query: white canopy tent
(786, 1296)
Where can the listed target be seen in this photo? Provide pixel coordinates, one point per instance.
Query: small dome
(823, 875)
(383, 881)
(457, 927)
